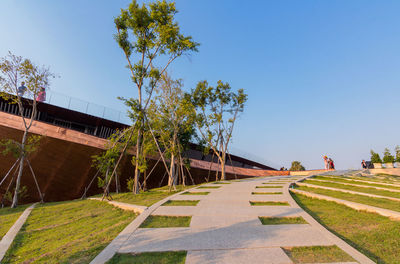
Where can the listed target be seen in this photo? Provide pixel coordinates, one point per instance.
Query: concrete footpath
(225, 227)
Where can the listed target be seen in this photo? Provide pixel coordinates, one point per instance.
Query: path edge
(9, 237)
(354, 253)
(108, 252)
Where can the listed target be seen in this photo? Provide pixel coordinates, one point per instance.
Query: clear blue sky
(322, 76)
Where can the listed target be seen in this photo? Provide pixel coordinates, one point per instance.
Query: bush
(296, 166)
(387, 157)
(397, 150)
(130, 183)
(375, 158)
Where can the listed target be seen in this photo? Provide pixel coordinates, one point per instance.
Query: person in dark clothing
(364, 164)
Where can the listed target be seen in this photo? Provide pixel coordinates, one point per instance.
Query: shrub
(397, 150)
(296, 166)
(387, 157)
(130, 183)
(375, 158)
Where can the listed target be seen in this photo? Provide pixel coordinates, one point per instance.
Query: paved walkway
(225, 228)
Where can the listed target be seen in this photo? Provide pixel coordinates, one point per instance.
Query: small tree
(172, 118)
(375, 158)
(217, 110)
(397, 150)
(296, 166)
(387, 156)
(13, 71)
(155, 35)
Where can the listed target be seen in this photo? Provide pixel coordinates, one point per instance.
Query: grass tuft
(256, 203)
(171, 257)
(195, 193)
(163, 221)
(281, 220)
(208, 187)
(263, 193)
(219, 182)
(181, 203)
(317, 254)
(270, 186)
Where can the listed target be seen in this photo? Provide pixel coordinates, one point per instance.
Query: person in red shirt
(41, 97)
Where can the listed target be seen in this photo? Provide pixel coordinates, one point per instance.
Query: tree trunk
(21, 168)
(171, 180)
(223, 178)
(137, 171)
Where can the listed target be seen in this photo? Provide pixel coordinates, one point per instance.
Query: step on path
(225, 228)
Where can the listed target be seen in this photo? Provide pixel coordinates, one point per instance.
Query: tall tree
(151, 40)
(15, 70)
(217, 110)
(172, 118)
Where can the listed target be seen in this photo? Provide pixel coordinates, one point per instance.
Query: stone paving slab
(228, 211)
(225, 228)
(239, 256)
(243, 235)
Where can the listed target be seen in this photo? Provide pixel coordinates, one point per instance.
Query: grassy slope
(365, 189)
(67, 232)
(378, 202)
(376, 236)
(8, 216)
(355, 182)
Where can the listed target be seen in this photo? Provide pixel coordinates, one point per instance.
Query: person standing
(364, 164)
(41, 97)
(331, 164)
(326, 162)
(21, 90)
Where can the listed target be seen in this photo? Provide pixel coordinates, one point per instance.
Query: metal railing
(75, 104)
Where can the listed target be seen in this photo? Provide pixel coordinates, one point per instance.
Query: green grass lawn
(181, 203)
(67, 232)
(365, 189)
(8, 216)
(147, 198)
(317, 254)
(378, 202)
(336, 179)
(376, 236)
(281, 220)
(265, 193)
(195, 193)
(219, 182)
(208, 187)
(171, 257)
(256, 203)
(161, 221)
